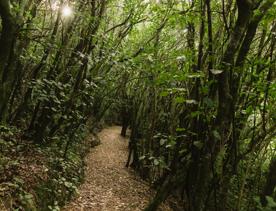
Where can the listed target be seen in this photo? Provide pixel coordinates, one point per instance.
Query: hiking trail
(109, 185)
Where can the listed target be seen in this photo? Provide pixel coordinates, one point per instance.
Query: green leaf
(180, 129)
(162, 141)
(216, 72)
(164, 94)
(270, 202)
(191, 101)
(198, 144)
(142, 157)
(156, 162)
(179, 100)
(216, 135)
(208, 102)
(195, 114)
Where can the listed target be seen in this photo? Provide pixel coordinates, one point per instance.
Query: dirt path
(109, 185)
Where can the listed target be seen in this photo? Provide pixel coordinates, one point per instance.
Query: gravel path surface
(109, 185)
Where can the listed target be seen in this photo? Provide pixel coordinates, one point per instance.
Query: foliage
(194, 79)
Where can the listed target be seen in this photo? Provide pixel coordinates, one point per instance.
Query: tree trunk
(270, 182)
(6, 42)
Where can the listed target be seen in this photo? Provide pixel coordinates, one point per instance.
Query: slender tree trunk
(270, 182)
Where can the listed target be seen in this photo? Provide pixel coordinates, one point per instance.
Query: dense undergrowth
(35, 177)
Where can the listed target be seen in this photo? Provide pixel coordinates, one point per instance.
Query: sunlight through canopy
(66, 11)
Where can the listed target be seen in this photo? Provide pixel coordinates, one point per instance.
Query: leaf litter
(109, 185)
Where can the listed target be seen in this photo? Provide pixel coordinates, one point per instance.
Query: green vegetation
(194, 80)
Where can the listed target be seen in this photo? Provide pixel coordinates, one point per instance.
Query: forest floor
(109, 185)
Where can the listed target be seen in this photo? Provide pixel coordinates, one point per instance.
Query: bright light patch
(67, 11)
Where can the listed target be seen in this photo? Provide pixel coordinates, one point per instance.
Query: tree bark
(270, 182)
(6, 42)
